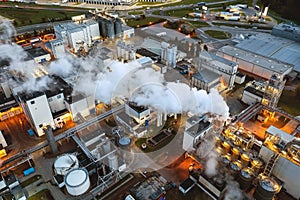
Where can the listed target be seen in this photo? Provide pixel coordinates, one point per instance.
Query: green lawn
(198, 24)
(30, 180)
(42, 195)
(289, 102)
(24, 17)
(144, 22)
(240, 25)
(218, 34)
(136, 12)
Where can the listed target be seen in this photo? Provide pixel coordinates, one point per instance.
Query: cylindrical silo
(226, 146)
(235, 167)
(245, 178)
(256, 165)
(118, 27)
(77, 181)
(65, 163)
(235, 153)
(226, 159)
(113, 161)
(266, 189)
(245, 159)
(51, 139)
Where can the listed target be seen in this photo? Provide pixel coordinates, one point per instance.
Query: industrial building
(57, 48)
(125, 52)
(53, 106)
(107, 2)
(254, 64)
(193, 135)
(205, 80)
(225, 68)
(289, 31)
(38, 54)
(110, 26)
(168, 54)
(78, 35)
(273, 47)
(267, 93)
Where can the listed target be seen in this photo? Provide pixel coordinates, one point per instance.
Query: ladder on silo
(270, 165)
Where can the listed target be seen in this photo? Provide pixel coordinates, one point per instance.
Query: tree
(298, 90)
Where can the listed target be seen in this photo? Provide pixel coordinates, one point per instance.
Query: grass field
(241, 25)
(289, 102)
(24, 17)
(136, 12)
(218, 34)
(144, 22)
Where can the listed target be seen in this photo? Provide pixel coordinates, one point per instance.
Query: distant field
(24, 17)
(144, 22)
(218, 34)
(289, 102)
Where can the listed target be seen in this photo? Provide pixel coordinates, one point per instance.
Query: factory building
(107, 2)
(139, 113)
(54, 105)
(57, 48)
(127, 32)
(192, 135)
(267, 93)
(110, 26)
(125, 52)
(168, 54)
(38, 54)
(273, 47)
(255, 64)
(289, 31)
(284, 149)
(78, 35)
(225, 68)
(205, 80)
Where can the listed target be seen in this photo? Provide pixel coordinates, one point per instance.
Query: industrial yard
(97, 108)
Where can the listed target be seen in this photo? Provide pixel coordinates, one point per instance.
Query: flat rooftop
(217, 58)
(206, 76)
(254, 91)
(278, 48)
(259, 60)
(36, 52)
(136, 107)
(199, 127)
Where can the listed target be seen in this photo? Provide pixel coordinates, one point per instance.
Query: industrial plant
(100, 110)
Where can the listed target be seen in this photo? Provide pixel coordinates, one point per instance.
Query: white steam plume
(211, 164)
(7, 30)
(233, 191)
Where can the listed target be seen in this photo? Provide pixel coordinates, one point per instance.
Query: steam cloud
(7, 30)
(143, 85)
(232, 191)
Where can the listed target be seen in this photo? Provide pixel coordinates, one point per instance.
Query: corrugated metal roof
(278, 48)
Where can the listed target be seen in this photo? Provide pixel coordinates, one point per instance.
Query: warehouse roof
(206, 76)
(259, 60)
(278, 48)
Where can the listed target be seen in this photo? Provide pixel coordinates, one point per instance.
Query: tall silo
(118, 27)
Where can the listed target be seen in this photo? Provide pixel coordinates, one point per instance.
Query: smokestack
(51, 140)
(165, 116)
(159, 118)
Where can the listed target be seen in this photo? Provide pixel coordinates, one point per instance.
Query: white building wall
(249, 98)
(40, 113)
(57, 103)
(75, 38)
(58, 48)
(285, 170)
(80, 106)
(95, 31)
(128, 33)
(45, 57)
(188, 142)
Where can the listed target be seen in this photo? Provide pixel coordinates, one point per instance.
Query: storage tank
(63, 164)
(245, 178)
(118, 27)
(266, 189)
(245, 159)
(220, 150)
(235, 167)
(77, 181)
(226, 159)
(113, 161)
(256, 165)
(226, 146)
(235, 153)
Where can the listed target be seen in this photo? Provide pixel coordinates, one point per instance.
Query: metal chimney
(51, 140)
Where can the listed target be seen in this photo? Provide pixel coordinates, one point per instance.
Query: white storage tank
(77, 181)
(63, 164)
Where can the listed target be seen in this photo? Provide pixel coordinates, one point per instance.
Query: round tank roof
(124, 141)
(76, 177)
(269, 184)
(65, 163)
